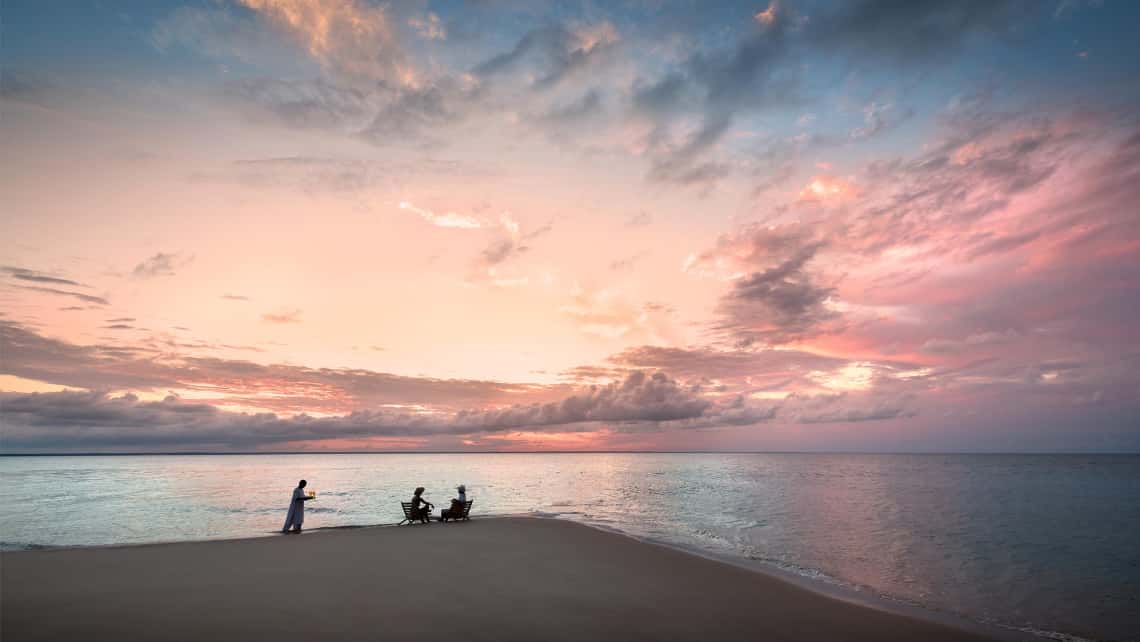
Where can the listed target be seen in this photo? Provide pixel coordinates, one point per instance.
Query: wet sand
(487, 579)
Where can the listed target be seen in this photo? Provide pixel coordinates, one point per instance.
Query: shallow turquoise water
(1032, 541)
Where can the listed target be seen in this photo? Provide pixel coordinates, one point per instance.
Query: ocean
(1040, 543)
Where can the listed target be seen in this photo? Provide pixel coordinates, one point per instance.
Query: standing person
(296, 513)
(418, 501)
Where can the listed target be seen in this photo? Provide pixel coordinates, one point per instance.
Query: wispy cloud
(446, 219)
(428, 26)
(282, 316)
(350, 38)
(23, 274)
(161, 264)
(556, 53)
(627, 263)
(162, 367)
(88, 298)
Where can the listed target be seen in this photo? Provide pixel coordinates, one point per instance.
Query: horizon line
(575, 452)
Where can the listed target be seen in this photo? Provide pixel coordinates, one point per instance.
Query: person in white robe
(296, 514)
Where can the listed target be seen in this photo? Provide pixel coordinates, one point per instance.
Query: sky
(328, 225)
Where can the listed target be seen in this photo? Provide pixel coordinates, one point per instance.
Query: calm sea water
(1050, 543)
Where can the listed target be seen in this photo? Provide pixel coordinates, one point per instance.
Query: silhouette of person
(417, 502)
(457, 505)
(296, 513)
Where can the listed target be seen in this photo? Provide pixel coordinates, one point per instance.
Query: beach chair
(463, 516)
(410, 516)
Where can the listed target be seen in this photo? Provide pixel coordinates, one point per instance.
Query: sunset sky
(241, 225)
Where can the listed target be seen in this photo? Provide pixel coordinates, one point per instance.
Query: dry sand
(487, 579)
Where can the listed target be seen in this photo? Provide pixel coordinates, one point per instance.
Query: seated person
(421, 508)
(457, 505)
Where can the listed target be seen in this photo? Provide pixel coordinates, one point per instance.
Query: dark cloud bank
(406, 406)
(78, 420)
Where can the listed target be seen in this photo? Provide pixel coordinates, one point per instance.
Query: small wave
(21, 546)
(1048, 635)
(802, 571)
(243, 511)
(347, 527)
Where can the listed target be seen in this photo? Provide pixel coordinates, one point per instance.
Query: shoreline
(836, 592)
(510, 574)
(829, 588)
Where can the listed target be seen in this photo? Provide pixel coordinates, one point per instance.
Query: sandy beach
(488, 579)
